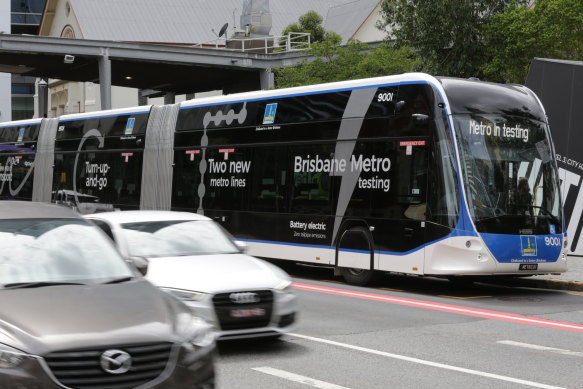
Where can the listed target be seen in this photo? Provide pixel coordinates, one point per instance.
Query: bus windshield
(509, 173)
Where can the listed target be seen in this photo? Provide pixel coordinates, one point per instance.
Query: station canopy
(164, 68)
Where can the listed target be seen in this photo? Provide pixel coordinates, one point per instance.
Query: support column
(266, 79)
(105, 81)
(43, 98)
(169, 98)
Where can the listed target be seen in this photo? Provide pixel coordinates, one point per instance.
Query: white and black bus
(409, 173)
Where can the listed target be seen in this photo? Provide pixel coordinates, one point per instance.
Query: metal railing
(293, 41)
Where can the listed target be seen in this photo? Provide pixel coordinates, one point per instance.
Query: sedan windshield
(171, 238)
(43, 252)
(509, 173)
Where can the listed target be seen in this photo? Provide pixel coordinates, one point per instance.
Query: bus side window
(311, 189)
(269, 180)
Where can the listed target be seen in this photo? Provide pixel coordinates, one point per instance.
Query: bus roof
(107, 113)
(18, 123)
(311, 89)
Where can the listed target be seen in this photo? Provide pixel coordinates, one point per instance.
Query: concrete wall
(368, 32)
(63, 18)
(74, 97)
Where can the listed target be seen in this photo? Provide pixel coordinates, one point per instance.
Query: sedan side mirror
(140, 263)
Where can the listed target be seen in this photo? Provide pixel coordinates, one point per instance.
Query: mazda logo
(244, 298)
(116, 361)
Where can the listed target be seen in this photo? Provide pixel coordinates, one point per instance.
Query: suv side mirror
(241, 245)
(140, 263)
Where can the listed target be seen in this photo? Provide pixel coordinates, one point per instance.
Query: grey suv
(74, 314)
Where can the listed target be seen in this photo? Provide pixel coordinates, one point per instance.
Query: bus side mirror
(420, 118)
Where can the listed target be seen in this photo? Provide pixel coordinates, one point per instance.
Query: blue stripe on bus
(102, 116)
(456, 232)
(19, 125)
(286, 243)
(305, 94)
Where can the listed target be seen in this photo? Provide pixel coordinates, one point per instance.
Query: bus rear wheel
(359, 277)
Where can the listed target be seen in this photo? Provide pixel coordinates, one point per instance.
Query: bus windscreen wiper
(547, 212)
(40, 284)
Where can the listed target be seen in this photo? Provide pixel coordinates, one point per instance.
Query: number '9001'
(552, 241)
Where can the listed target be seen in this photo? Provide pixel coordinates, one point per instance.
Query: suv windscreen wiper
(22, 285)
(118, 280)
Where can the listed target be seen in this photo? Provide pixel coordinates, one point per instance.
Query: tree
(550, 29)
(333, 62)
(448, 34)
(311, 22)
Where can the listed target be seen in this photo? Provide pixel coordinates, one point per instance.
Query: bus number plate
(528, 266)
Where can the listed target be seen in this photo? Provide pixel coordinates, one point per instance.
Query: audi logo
(116, 361)
(244, 298)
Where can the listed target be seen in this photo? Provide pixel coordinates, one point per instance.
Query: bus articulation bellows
(410, 173)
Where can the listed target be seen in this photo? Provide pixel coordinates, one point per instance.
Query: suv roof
(34, 210)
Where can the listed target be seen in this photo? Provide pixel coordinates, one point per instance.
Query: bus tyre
(358, 277)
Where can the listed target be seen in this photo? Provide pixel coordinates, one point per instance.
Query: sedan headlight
(184, 295)
(283, 287)
(11, 358)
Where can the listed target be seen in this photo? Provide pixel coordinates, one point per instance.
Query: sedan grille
(242, 310)
(84, 368)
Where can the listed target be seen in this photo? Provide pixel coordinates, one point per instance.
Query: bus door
(383, 223)
(399, 235)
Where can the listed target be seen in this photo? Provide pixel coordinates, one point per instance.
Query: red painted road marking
(457, 309)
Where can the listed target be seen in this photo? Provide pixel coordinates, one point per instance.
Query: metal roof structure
(345, 19)
(176, 69)
(184, 22)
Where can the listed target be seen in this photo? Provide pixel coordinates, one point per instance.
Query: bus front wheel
(358, 277)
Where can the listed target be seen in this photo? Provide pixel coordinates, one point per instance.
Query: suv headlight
(283, 287)
(184, 295)
(11, 358)
(203, 334)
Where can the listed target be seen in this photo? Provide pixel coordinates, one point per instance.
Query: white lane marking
(541, 348)
(429, 363)
(297, 378)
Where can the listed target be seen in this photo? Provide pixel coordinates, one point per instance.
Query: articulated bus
(409, 174)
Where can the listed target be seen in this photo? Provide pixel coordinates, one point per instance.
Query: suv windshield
(509, 173)
(46, 251)
(170, 238)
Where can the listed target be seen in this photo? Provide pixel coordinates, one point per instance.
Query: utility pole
(5, 78)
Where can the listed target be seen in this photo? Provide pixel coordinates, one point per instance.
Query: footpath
(572, 279)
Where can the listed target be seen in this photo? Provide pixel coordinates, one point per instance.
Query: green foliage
(333, 62)
(551, 29)
(448, 34)
(311, 22)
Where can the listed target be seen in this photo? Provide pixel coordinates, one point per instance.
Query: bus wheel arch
(355, 236)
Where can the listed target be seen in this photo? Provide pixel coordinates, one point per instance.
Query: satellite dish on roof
(223, 29)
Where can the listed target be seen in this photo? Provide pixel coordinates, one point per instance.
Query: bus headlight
(482, 257)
